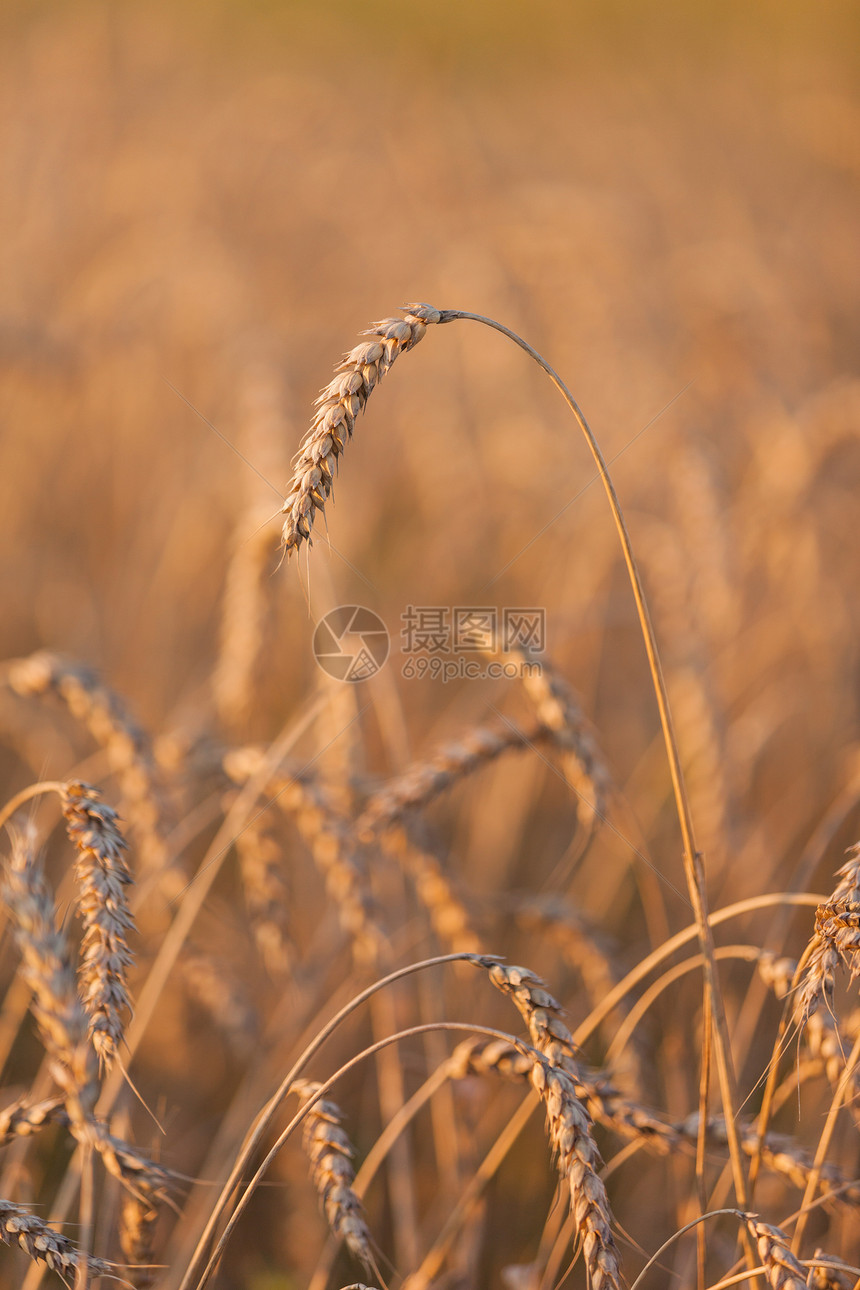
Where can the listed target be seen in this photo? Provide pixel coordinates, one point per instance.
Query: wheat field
(526, 960)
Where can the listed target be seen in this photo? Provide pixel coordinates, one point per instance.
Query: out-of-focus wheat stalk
(333, 846)
(263, 869)
(558, 710)
(246, 602)
(110, 724)
(421, 783)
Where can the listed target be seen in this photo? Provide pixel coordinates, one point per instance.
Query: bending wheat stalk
(311, 486)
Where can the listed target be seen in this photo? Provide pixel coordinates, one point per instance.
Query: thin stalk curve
(693, 867)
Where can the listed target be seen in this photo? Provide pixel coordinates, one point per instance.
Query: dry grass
(215, 849)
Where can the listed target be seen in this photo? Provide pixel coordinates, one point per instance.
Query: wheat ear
(214, 987)
(43, 1244)
(64, 1024)
(569, 1127)
(826, 1274)
(330, 1153)
(22, 1118)
(421, 783)
(264, 883)
(246, 599)
(834, 941)
(449, 916)
(47, 970)
(332, 844)
(136, 1231)
(103, 877)
(559, 712)
(635, 1122)
(784, 1271)
(337, 408)
(568, 1121)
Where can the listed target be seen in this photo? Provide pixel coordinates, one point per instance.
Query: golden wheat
(337, 408)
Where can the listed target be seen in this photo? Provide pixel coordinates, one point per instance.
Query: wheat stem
(692, 859)
(27, 794)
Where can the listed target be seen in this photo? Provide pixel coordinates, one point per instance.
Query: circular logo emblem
(351, 643)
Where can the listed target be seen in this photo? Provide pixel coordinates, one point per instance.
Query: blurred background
(204, 204)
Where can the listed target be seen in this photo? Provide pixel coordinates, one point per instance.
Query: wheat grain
(337, 408)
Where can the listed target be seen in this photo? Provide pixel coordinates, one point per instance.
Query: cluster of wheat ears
(92, 1204)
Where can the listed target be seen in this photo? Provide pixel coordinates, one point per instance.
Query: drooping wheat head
(784, 1271)
(834, 942)
(337, 408)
